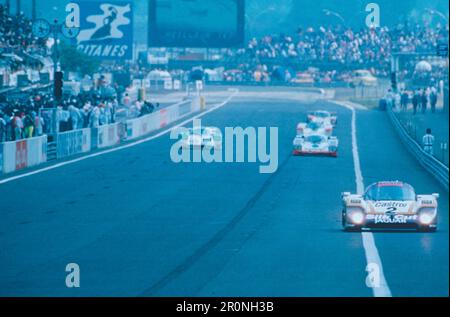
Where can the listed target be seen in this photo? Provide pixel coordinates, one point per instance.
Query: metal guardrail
(431, 164)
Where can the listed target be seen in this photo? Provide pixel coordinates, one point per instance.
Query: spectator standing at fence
(17, 125)
(126, 100)
(433, 99)
(109, 109)
(416, 100)
(74, 116)
(404, 99)
(2, 128)
(9, 128)
(94, 117)
(39, 124)
(28, 123)
(424, 100)
(114, 105)
(87, 108)
(397, 100)
(390, 98)
(102, 114)
(428, 142)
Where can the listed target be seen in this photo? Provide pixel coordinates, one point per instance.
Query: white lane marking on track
(368, 239)
(48, 168)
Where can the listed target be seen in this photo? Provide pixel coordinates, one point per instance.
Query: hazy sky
(273, 16)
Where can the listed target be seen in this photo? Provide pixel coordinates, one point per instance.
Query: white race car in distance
(389, 205)
(322, 116)
(315, 127)
(204, 137)
(316, 144)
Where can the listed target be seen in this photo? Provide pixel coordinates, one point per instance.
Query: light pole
(43, 29)
(333, 13)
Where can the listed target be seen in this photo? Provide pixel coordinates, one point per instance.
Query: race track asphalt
(138, 224)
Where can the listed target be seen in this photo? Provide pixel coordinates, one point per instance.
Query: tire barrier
(73, 142)
(17, 155)
(429, 162)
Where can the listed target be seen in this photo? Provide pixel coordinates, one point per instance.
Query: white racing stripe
(370, 248)
(122, 147)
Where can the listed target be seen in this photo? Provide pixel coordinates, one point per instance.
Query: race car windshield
(393, 192)
(314, 139)
(321, 114)
(314, 125)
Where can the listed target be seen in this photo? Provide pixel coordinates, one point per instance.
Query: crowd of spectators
(329, 53)
(16, 32)
(420, 100)
(23, 119)
(335, 47)
(31, 117)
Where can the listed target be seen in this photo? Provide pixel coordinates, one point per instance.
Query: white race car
(315, 127)
(204, 137)
(389, 205)
(322, 115)
(315, 144)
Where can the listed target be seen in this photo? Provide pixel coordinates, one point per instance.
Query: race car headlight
(357, 217)
(426, 218)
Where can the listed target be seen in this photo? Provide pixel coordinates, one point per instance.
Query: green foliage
(73, 60)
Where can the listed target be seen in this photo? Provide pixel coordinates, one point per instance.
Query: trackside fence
(17, 155)
(136, 128)
(429, 162)
(73, 143)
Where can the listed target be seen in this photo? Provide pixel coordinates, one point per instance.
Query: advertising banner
(106, 29)
(21, 154)
(199, 23)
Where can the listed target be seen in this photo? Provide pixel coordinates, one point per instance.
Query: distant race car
(363, 77)
(389, 205)
(204, 137)
(315, 144)
(315, 127)
(322, 116)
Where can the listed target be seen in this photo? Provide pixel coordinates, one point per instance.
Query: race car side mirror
(435, 195)
(345, 194)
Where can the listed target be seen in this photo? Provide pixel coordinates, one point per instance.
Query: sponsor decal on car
(390, 204)
(391, 219)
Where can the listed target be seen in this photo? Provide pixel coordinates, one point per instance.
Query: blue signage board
(196, 23)
(106, 29)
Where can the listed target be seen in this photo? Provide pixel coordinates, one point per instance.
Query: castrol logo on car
(392, 206)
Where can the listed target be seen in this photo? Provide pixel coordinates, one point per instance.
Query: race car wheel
(344, 220)
(352, 229)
